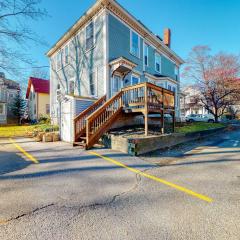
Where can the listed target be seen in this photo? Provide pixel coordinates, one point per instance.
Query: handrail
(102, 108)
(98, 118)
(95, 104)
(80, 120)
(100, 121)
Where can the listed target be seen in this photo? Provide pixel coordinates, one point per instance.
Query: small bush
(45, 119)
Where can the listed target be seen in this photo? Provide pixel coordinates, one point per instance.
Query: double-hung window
(158, 62)
(146, 54)
(135, 44)
(90, 36)
(59, 60)
(66, 54)
(92, 84)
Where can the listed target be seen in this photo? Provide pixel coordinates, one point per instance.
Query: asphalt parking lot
(55, 191)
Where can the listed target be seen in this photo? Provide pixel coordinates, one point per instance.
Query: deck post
(146, 109)
(162, 122)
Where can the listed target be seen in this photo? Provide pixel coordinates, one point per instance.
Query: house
(38, 98)
(8, 91)
(106, 65)
(189, 103)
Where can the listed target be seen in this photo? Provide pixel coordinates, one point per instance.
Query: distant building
(188, 102)
(8, 91)
(38, 98)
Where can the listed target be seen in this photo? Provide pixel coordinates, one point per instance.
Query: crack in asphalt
(25, 214)
(113, 199)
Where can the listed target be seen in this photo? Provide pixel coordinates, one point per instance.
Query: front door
(116, 84)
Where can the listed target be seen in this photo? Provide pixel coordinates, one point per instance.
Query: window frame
(59, 60)
(131, 42)
(93, 35)
(66, 57)
(145, 46)
(160, 62)
(135, 76)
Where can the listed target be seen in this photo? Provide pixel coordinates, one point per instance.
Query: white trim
(139, 40)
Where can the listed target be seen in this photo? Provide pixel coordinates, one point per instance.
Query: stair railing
(101, 120)
(80, 120)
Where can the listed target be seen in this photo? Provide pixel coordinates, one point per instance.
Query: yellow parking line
(28, 155)
(183, 189)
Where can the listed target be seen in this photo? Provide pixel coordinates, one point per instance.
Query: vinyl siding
(119, 42)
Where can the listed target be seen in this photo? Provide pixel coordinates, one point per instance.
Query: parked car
(200, 118)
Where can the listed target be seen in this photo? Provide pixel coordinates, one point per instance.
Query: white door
(116, 84)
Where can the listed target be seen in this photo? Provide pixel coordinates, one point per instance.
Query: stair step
(79, 144)
(84, 138)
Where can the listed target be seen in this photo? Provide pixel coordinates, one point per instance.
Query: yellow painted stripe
(3, 222)
(28, 155)
(183, 189)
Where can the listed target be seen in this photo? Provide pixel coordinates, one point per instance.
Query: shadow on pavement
(11, 162)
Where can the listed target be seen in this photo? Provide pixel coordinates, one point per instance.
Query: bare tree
(16, 32)
(215, 77)
(69, 64)
(40, 73)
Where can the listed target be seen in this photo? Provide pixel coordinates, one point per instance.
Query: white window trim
(145, 45)
(139, 40)
(94, 36)
(160, 64)
(135, 76)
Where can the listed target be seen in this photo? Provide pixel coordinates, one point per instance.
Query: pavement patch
(28, 155)
(156, 179)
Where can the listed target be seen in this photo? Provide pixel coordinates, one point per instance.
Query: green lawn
(20, 131)
(198, 126)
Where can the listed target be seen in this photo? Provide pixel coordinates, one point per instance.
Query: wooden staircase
(96, 120)
(80, 122)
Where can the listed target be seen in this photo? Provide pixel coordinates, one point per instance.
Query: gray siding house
(105, 50)
(8, 91)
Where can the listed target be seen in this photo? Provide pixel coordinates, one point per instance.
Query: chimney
(167, 37)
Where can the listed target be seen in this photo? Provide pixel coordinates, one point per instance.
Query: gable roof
(115, 8)
(39, 85)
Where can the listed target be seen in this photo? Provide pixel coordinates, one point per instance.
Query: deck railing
(80, 120)
(99, 121)
(144, 97)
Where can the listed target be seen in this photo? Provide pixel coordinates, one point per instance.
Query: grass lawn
(21, 131)
(198, 126)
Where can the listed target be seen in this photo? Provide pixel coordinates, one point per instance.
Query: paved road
(73, 194)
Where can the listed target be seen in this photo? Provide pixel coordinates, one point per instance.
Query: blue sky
(193, 22)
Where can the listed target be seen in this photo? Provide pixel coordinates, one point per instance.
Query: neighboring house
(8, 91)
(105, 51)
(188, 103)
(38, 98)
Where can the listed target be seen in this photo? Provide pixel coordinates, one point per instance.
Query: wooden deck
(144, 98)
